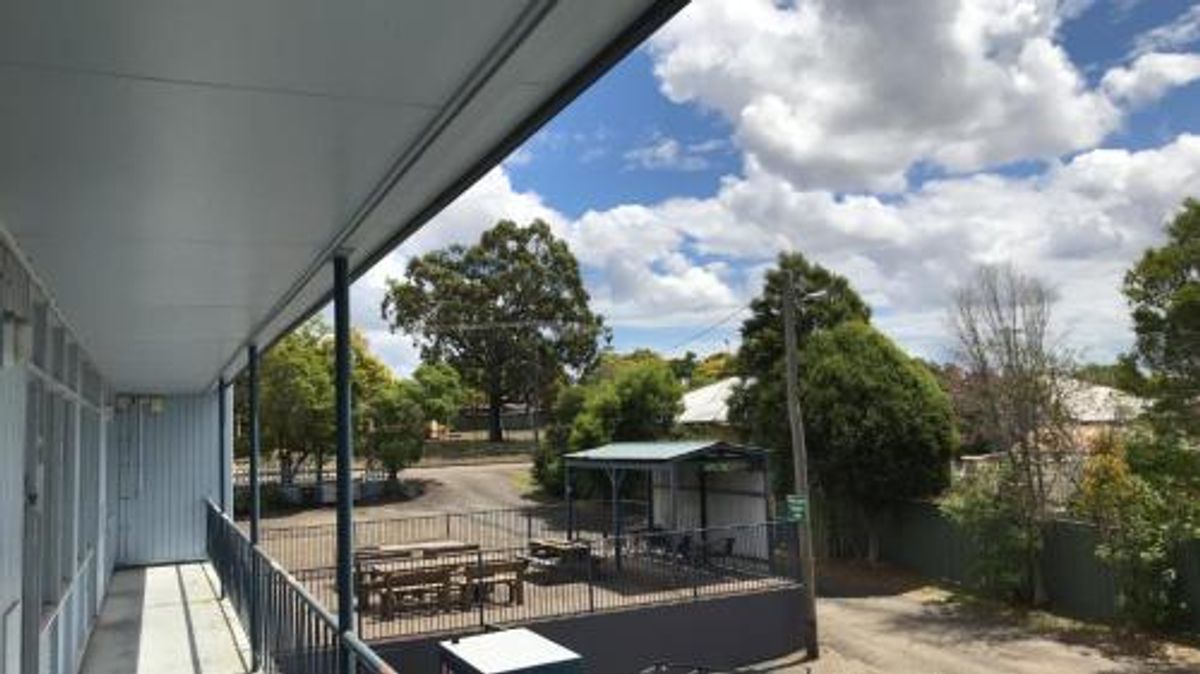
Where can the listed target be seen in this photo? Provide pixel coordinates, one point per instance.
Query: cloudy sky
(898, 143)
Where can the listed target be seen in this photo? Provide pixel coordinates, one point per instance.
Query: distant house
(1094, 405)
(1091, 409)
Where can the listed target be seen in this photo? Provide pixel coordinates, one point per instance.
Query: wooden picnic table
(557, 547)
(441, 584)
(431, 548)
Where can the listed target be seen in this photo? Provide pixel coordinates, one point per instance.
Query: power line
(708, 329)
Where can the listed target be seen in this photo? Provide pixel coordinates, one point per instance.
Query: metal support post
(345, 456)
(255, 509)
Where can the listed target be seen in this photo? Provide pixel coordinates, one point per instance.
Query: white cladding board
(12, 513)
(174, 450)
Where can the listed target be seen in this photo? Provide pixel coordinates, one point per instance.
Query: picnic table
(431, 548)
(558, 548)
(437, 574)
(553, 555)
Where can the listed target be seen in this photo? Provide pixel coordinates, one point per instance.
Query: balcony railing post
(255, 506)
(345, 455)
(221, 469)
(591, 578)
(476, 588)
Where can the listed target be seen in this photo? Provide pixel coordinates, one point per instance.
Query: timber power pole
(791, 302)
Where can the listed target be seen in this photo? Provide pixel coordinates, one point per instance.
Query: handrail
(363, 655)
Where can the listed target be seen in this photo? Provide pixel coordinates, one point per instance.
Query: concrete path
(166, 619)
(876, 620)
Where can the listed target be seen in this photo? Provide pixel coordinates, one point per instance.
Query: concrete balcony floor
(166, 619)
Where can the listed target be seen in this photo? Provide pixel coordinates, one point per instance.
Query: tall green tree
(441, 393)
(630, 397)
(504, 312)
(295, 398)
(758, 410)
(396, 434)
(1163, 289)
(879, 425)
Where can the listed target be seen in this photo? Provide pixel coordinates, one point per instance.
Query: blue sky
(898, 143)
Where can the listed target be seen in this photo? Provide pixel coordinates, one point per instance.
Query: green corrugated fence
(1078, 584)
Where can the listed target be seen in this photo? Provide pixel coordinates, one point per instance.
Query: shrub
(985, 505)
(1139, 534)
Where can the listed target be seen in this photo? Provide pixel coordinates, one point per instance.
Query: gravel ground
(445, 489)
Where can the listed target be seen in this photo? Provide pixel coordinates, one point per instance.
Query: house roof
(709, 404)
(667, 451)
(180, 174)
(1092, 403)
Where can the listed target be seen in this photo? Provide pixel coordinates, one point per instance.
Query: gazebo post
(570, 494)
(674, 500)
(650, 499)
(614, 479)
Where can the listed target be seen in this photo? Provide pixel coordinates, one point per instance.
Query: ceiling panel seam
(526, 22)
(215, 85)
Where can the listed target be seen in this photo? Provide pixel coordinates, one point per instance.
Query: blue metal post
(255, 508)
(345, 440)
(221, 470)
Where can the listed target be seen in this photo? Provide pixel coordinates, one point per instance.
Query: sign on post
(797, 505)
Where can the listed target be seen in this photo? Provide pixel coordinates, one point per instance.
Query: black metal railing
(464, 591)
(314, 546)
(289, 630)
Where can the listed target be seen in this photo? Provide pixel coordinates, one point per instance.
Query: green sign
(796, 507)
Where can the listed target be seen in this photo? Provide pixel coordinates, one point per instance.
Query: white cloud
(1080, 226)
(1150, 76)
(834, 102)
(664, 152)
(1182, 31)
(688, 262)
(849, 95)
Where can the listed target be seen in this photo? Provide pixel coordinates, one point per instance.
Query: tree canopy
(758, 410)
(761, 351)
(1163, 289)
(396, 436)
(509, 313)
(296, 414)
(296, 397)
(439, 391)
(630, 397)
(880, 426)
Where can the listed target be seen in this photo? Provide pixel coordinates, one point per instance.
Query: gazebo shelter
(699, 483)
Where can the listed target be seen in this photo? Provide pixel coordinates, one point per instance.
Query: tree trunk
(868, 516)
(495, 430)
(286, 473)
